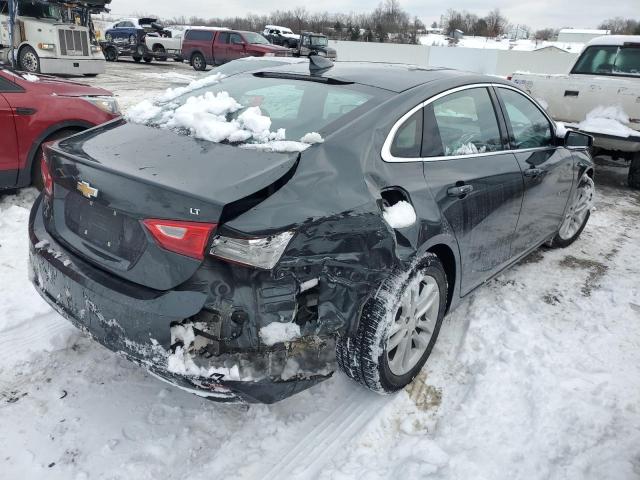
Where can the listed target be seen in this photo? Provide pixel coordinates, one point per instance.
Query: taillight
(47, 179)
(185, 238)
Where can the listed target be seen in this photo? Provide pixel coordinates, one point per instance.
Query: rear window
(609, 60)
(287, 109)
(199, 35)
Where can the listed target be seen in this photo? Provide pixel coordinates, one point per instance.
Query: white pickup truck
(600, 96)
(165, 44)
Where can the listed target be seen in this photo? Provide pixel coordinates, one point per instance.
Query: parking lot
(535, 374)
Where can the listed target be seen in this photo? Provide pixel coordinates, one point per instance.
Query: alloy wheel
(415, 320)
(578, 209)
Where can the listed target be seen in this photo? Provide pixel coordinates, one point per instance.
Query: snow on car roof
(616, 40)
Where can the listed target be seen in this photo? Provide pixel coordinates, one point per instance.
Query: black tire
(36, 173)
(558, 241)
(28, 60)
(148, 59)
(634, 172)
(159, 50)
(198, 62)
(363, 357)
(108, 37)
(178, 59)
(133, 39)
(285, 44)
(137, 59)
(111, 54)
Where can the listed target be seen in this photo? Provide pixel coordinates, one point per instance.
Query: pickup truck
(281, 36)
(165, 44)
(600, 96)
(204, 47)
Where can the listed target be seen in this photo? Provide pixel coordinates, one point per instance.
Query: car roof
(387, 76)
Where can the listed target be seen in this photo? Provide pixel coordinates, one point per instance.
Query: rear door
(548, 169)
(221, 48)
(475, 180)
(9, 158)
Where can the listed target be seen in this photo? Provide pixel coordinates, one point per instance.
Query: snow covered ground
(535, 376)
(438, 40)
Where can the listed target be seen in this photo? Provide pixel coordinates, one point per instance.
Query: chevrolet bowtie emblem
(87, 190)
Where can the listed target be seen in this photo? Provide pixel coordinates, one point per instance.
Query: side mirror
(577, 140)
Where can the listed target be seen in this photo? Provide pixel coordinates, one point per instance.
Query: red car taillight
(185, 238)
(47, 179)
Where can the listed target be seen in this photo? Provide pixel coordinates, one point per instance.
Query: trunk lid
(108, 180)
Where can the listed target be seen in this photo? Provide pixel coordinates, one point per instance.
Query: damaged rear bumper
(135, 321)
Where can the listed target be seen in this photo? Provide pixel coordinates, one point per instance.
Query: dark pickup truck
(204, 47)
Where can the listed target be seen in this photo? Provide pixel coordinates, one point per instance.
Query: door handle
(459, 191)
(533, 172)
(25, 111)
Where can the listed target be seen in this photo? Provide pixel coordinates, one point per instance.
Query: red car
(39, 109)
(204, 47)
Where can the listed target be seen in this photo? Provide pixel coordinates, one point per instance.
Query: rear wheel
(398, 329)
(36, 172)
(111, 54)
(634, 171)
(29, 60)
(198, 62)
(577, 214)
(133, 39)
(137, 59)
(159, 49)
(148, 59)
(108, 37)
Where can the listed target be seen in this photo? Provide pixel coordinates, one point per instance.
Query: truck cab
(47, 41)
(315, 44)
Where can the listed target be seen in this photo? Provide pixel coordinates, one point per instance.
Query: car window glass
(339, 103)
(529, 127)
(408, 139)
(224, 38)
(278, 102)
(235, 38)
(467, 123)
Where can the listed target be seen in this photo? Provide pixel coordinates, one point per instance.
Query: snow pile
(400, 215)
(30, 78)
(561, 129)
(279, 332)
(608, 121)
(181, 360)
(210, 117)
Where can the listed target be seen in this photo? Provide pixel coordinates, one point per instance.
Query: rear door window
(530, 128)
(235, 39)
(467, 123)
(223, 38)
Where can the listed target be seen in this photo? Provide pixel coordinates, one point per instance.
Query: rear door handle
(533, 172)
(459, 191)
(25, 111)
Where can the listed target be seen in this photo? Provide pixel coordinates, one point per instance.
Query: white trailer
(47, 40)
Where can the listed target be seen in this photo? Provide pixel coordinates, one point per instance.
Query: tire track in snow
(322, 443)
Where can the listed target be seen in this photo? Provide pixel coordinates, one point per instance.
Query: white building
(568, 35)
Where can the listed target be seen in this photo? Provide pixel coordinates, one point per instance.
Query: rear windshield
(199, 35)
(609, 60)
(283, 109)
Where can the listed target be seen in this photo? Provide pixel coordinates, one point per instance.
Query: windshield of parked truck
(40, 11)
(318, 41)
(256, 38)
(609, 60)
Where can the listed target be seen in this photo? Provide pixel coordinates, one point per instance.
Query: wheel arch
(450, 264)
(24, 177)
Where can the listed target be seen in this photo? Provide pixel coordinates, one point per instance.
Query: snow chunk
(173, 93)
(278, 332)
(311, 138)
(400, 215)
(143, 112)
(561, 129)
(466, 149)
(608, 121)
(30, 78)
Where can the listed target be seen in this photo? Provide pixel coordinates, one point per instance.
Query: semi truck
(50, 37)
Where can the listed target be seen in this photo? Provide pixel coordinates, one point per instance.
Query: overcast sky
(535, 13)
